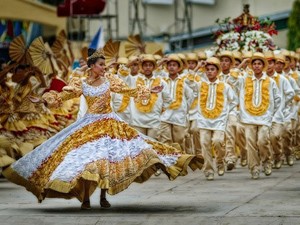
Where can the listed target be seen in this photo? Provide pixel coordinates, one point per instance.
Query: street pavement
(231, 199)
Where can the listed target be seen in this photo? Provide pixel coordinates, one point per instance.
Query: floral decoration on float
(245, 33)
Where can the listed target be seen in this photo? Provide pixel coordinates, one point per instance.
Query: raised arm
(117, 85)
(72, 90)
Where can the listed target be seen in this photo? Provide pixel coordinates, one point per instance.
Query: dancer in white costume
(99, 149)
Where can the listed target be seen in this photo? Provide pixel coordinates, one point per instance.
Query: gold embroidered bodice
(98, 97)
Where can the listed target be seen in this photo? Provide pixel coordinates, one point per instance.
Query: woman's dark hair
(93, 60)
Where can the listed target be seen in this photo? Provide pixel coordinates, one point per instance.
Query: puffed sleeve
(117, 85)
(72, 90)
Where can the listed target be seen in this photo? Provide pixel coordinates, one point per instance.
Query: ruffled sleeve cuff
(52, 99)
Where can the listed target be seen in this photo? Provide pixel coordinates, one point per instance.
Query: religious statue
(245, 19)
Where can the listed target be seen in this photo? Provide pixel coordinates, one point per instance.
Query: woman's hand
(157, 89)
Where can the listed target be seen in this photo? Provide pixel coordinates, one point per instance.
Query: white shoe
(210, 176)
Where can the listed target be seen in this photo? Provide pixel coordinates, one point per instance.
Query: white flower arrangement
(257, 40)
(229, 41)
(246, 41)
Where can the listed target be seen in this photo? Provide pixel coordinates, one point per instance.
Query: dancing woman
(99, 149)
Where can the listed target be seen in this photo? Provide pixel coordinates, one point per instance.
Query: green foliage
(294, 27)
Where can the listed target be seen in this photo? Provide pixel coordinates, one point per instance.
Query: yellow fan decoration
(111, 51)
(41, 56)
(61, 48)
(53, 60)
(154, 48)
(135, 46)
(18, 51)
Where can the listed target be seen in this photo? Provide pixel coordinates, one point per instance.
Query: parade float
(245, 33)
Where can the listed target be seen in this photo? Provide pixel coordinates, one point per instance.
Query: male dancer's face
(148, 68)
(211, 72)
(134, 69)
(225, 63)
(271, 66)
(279, 66)
(287, 63)
(173, 68)
(192, 64)
(293, 64)
(257, 66)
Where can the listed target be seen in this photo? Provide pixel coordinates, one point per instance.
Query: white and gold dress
(99, 147)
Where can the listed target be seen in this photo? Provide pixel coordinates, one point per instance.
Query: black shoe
(104, 203)
(86, 205)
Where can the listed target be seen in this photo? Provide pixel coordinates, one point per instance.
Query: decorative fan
(136, 46)
(62, 67)
(154, 48)
(57, 47)
(53, 60)
(18, 51)
(111, 51)
(41, 57)
(63, 36)
(70, 53)
(60, 48)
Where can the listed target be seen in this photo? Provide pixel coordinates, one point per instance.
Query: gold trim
(295, 76)
(146, 108)
(99, 104)
(194, 104)
(277, 79)
(179, 94)
(125, 103)
(297, 98)
(99, 53)
(265, 97)
(147, 166)
(195, 78)
(94, 131)
(217, 110)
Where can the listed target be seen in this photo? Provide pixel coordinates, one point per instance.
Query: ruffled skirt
(101, 149)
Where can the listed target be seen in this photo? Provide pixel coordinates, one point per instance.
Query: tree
(294, 27)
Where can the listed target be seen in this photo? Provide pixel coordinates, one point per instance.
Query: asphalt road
(231, 199)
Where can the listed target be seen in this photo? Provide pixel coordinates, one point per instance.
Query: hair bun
(91, 51)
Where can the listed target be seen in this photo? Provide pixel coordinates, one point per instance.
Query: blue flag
(98, 40)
